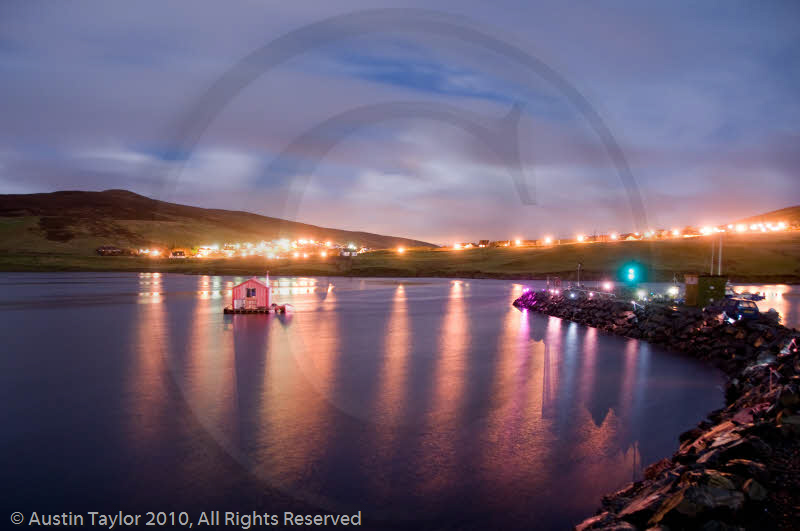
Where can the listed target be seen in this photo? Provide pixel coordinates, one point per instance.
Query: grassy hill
(59, 232)
(790, 215)
(79, 222)
(773, 257)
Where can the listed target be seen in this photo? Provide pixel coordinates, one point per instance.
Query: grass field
(746, 257)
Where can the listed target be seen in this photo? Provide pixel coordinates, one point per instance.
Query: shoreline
(370, 272)
(740, 468)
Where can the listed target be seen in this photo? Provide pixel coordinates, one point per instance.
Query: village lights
(676, 232)
(401, 250)
(296, 254)
(672, 291)
(580, 237)
(517, 242)
(706, 230)
(456, 246)
(614, 236)
(548, 240)
(323, 254)
(608, 286)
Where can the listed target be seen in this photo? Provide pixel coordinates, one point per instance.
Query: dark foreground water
(421, 403)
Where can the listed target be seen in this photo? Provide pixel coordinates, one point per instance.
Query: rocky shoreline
(740, 468)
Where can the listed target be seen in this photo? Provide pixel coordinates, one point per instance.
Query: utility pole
(579, 273)
(719, 254)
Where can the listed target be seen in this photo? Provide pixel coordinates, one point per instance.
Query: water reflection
(146, 387)
(783, 298)
(448, 384)
(410, 398)
(393, 372)
(295, 414)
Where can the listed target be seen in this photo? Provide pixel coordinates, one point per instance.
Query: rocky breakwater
(740, 468)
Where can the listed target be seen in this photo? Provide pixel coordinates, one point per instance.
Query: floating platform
(272, 309)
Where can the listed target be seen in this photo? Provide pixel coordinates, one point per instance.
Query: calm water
(422, 403)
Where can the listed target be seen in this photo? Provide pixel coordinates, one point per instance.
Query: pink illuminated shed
(250, 295)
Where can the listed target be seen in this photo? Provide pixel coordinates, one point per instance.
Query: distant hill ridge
(790, 215)
(78, 221)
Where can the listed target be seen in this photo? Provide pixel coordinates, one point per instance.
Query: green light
(631, 273)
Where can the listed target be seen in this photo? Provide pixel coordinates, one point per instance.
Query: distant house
(109, 250)
(177, 254)
(251, 294)
(483, 243)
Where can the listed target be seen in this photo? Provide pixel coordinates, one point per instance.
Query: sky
(475, 121)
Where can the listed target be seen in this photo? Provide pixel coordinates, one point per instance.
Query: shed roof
(252, 279)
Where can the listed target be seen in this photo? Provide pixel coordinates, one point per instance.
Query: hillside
(790, 215)
(773, 257)
(74, 222)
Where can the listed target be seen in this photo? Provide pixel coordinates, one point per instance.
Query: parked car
(738, 309)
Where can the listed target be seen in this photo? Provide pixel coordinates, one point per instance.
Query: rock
(716, 525)
(766, 356)
(618, 526)
(595, 522)
(723, 467)
(641, 509)
(754, 490)
(714, 478)
(695, 500)
(725, 438)
(747, 468)
(652, 471)
(789, 397)
(690, 435)
(789, 421)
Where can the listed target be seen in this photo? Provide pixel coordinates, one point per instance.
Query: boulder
(595, 522)
(754, 490)
(695, 500)
(747, 468)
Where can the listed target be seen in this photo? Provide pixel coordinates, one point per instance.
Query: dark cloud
(701, 99)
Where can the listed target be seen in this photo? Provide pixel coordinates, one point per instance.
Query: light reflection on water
(783, 297)
(427, 399)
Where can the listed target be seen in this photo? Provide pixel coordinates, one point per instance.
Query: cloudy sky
(481, 120)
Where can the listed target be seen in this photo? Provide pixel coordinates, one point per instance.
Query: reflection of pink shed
(250, 294)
